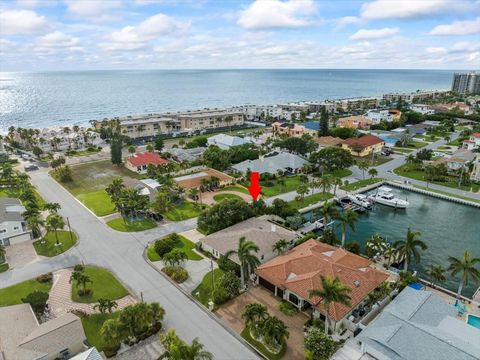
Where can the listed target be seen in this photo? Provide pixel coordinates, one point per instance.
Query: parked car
(31, 167)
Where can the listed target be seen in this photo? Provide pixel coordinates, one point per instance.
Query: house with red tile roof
(292, 275)
(364, 145)
(140, 161)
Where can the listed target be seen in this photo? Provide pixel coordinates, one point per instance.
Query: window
(15, 228)
(293, 298)
(263, 256)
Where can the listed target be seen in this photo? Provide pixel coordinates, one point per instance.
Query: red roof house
(363, 145)
(139, 161)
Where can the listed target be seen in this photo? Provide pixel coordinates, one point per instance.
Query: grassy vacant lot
(13, 295)
(120, 224)
(291, 184)
(97, 201)
(185, 245)
(311, 199)
(47, 247)
(104, 286)
(339, 173)
(203, 291)
(92, 325)
(359, 184)
(184, 211)
(89, 151)
(418, 174)
(236, 188)
(89, 181)
(402, 150)
(221, 197)
(260, 347)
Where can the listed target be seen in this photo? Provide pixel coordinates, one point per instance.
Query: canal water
(447, 228)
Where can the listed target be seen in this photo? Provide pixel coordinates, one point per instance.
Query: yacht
(384, 196)
(361, 200)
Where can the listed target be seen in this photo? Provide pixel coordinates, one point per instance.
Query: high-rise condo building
(466, 83)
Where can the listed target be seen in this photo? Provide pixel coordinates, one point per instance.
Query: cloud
(369, 34)
(94, 10)
(408, 9)
(136, 37)
(15, 22)
(466, 27)
(436, 50)
(57, 39)
(277, 14)
(347, 20)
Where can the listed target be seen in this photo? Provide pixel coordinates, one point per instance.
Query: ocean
(42, 99)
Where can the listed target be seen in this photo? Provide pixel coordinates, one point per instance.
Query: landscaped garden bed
(182, 244)
(47, 246)
(262, 348)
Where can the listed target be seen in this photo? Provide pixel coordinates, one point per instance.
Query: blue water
(50, 98)
(447, 228)
(389, 140)
(474, 321)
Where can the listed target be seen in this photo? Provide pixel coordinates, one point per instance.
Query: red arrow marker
(254, 187)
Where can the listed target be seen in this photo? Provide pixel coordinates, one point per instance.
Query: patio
(231, 314)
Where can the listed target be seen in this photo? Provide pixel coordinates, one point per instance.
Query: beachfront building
(261, 231)
(195, 180)
(289, 129)
(377, 115)
(13, 228)
(354, 122)
(285, 162)
(292, 275)
(473, 142)
(419, 324)
(139, 162)
(364, 145)
(225, 142)
(413, 97)
(466, 83)
(358, 104)
(23, 338)
(422, 109)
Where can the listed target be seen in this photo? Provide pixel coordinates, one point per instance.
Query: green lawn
(378, 160)
(185, 245)
(204, 290)
(340, 173)
(47, 247)
(104, 286)
(402, 150)
(311, 199)
(260, 347)
(120, 224)
(15, 193)
(92, 325)
(415, 145)
(13, 295)
(360, 183)
(446, 193)
(236, 188)
(456, 142)
(3, 267)
(221, 197)
(84, 152)
(97, 201)
(184, 211)
(291, 184)
(418, 174)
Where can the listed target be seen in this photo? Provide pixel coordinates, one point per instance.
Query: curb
(201, 306)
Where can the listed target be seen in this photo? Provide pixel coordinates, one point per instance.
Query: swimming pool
(389, 140)
(473, 320)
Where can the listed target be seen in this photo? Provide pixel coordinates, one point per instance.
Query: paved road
(122, 254)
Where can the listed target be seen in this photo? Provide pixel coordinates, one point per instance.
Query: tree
(329, 211)
(150, 148)
(224, 214)
(466, 267)
(115, 189)
(105, 305)
(302, 190)
(230, 283)
(280, 246)
(363, 165)
(37, 300)
(54, 223)
(132, 149)
(331, 159)
(274, 332)
(405, 138)
(372, 172)
(111, 333)
(318, 346)
(177, 349)
(323, 123)
(254, 315)
(159, 144)
(116, 150)
(175, 257)
(408, 248)
(336, 182)
(325, 183)
(216, 158)
(332, 291)
(436, 273)
(353, 247)
(80, 280)
(248, 261)
(52, 207)
(297, 145)
(348, 219)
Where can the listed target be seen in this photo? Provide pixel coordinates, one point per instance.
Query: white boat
(384, 196)
(361, 200)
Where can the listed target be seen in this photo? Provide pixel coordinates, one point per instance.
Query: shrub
(287, 308)
(37, 300)
(231, 283)
(220, 296)
(45, 278)
(164, 246)
(85, 293)
(318, 346)
(111, 350)
(78, 267)
(353, 247)
(176, 273)
(228, 265)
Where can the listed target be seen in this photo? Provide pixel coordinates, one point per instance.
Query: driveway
(122, 253)
(231, 313)
(19, 255)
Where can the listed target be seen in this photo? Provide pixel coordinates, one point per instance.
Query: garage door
(266, 284)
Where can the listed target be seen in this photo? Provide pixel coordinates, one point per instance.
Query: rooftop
(299, 270)
(226, 140)
(11, 209)
(195, 180)
(271, 164)
(328, 141)
(363, 141)
(146, 158)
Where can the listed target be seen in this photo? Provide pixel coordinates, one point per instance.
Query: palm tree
(177, 349)
(348, 219)
(325, 183)
(274, 331)
(248, 261)
(80, 279)
(193, 194)
(329, 211)
(52, 207)
(336, 182)
(363, 165)
(302, 190)
(196, 351)
(466, 267)
(372, 172)
(54, 223)
(34, 222)
(105, 305)
(332, 291)
(408, 248)
(254, 315)
(174, 257)
(436, 274)
(111, 332)
(280, 246)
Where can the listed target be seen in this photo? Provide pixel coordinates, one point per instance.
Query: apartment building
(413, 96)
(377, 115)
(466, 83)
(206, 119)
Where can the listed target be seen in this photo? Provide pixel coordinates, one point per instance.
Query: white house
(422, 109)
(473, 142)
(377, 115)
(226, 141)
(13, 228)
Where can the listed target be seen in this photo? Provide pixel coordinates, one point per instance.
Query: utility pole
(69, 229)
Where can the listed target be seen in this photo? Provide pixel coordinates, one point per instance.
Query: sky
(38, 35)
